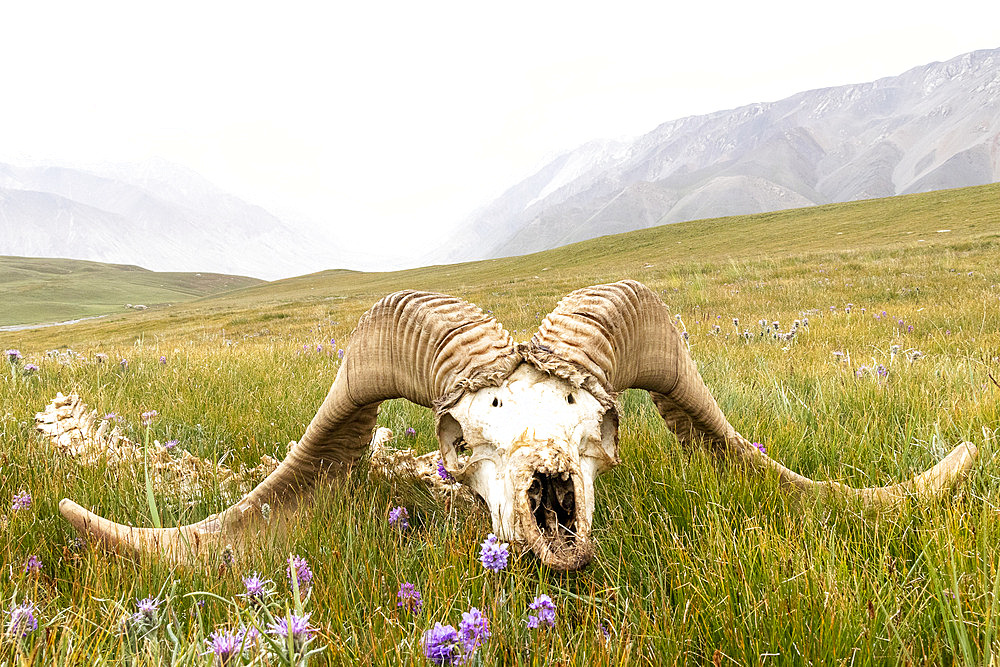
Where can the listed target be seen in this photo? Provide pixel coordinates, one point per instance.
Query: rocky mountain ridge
(932, 127)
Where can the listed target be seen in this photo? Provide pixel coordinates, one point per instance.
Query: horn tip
(75, 514)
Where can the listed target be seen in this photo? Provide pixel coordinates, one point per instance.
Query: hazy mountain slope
(933, 127)
(153, 214)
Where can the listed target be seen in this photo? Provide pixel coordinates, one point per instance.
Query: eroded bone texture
(388, 462)
(77, 432)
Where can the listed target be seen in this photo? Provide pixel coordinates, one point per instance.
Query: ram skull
(527, 426)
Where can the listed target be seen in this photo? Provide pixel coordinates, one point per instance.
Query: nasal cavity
(552, 501)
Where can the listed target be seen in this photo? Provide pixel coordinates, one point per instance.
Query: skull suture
(534, 446)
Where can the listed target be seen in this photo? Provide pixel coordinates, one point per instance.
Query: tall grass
(698, 562)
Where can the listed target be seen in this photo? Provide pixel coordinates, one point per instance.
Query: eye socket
(570, 399)
(496, 402)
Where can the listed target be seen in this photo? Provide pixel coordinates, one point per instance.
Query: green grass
(40, 290)
(697, 562)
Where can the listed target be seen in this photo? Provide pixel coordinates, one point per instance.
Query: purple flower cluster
(760, 447)
(443, 472)
(299, 568)
(21, 501)
(441, 645)
(296, 627)
(226, 645)
(148, 417)
(399, 517)
(411, 432)
(444, 645)
(256, 588)
(22, 621)
(33, 565)
(409, 598)
(163, 360)
(473, 631)
(13, 355)
(145, 618)
(30, 368)
(545, 612)
(493, 555)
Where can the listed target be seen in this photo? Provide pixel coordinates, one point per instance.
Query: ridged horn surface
(623, 336)
(415, 345)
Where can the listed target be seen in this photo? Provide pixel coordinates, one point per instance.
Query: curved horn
(414, 345)
(622, 336)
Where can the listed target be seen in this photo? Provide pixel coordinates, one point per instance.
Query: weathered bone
(69, 426)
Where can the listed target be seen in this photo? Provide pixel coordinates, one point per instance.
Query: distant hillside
(934, 127)
(943, 223)
(153, 214)
(55, 290)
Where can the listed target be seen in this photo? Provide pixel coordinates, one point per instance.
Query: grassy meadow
(43, 290)
(697, 562)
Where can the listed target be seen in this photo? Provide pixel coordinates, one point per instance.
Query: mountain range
(933, 127)
(154, 214)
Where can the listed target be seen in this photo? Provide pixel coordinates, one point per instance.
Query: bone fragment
(388, 462)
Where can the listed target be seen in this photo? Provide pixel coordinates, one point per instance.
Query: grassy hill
(698, 561)
(919, 225)
(40, 290)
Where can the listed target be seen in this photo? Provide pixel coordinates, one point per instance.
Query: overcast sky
(391, 122)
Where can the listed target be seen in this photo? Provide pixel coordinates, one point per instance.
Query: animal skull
(535, 445)
(539, 419)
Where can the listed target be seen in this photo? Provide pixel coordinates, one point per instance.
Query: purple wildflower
(111, 416)
(545, 612)
(473, 631)
(148, 417)
(493, 555)
(333, 342)
(123, 363)
(13, 355)
(398, 517)
(409, 598)
(340, 354)
(411, 432)
(760, 447)
(302, 572)
(225, 644)
(441, 645)
(256, 588)
(163, 360)
(30, 368)
(297, 627)
(100, 357)
(22, 621)
(249, 636)
(443, 472)
(33, 565)
(21, 501)
(170, 444)
(882, 371)
(148, 607)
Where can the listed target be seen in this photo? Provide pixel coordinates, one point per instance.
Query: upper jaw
(551, 516)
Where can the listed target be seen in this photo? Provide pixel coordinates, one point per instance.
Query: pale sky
(391, 122)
